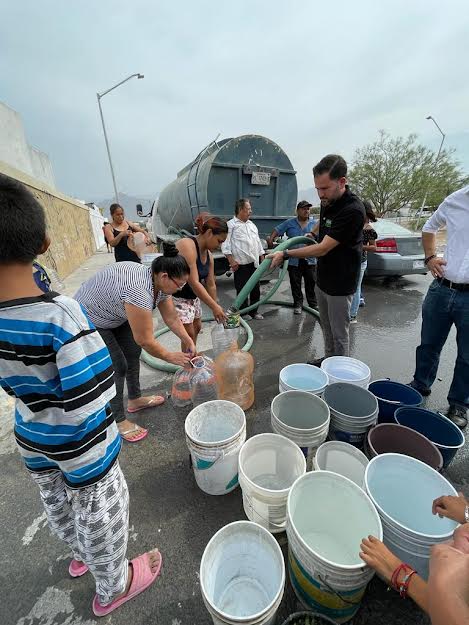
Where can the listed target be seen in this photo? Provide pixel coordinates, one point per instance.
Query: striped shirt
(243, 242)
(105, 294)
(57, 366)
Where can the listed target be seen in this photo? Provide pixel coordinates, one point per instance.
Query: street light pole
(443, 136)
(99, 96)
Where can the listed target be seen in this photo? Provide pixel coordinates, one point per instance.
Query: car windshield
(387, 227)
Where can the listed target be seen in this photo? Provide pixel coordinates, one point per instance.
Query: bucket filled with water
(301, 417)
(391, 396)
(391, 438)
(442, 432)
(268, 466)
(345, 369)
(342, 458)
(242, 575)
(403, 490)
(215, 433)
(353, 411)
(327, 517)
(303, 377)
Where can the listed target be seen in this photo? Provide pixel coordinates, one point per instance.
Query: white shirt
(453, 213)
(243, 242)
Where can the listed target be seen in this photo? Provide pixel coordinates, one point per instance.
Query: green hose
(161, 365)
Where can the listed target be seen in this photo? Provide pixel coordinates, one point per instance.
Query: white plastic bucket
(402, 489)
(300, 416)
(268, 466)
(353, 411)
(303, 377)
(342, 458)
(345, 369)
(242, 575)
(215, 433)
(327, 518)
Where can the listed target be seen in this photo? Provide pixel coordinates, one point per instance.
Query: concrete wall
(15, 150)
(68, 222)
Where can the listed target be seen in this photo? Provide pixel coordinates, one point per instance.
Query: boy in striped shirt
(54, 362)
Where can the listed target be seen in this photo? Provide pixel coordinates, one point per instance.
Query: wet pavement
(169, 511)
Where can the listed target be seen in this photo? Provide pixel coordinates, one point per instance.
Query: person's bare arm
(384, 562)
(436, 265)
(187, 249)
(448, 586)
(210, 283)
(171, 319)
(141, 324)
(111, 239)
(271, 239)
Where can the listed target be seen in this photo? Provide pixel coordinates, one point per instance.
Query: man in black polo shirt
(338, 251)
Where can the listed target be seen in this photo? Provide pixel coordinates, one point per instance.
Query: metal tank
(248, 166)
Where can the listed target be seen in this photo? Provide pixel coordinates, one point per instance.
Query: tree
(394, 173)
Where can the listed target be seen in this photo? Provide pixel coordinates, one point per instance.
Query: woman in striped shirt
(120, 300)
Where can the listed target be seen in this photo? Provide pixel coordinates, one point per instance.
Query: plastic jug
(204, 382)
(234, 370)
(182, 387)
(222, 338)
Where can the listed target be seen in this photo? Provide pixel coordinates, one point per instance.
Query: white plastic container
(301, 417)
(342, 458)
(345, 369)
(215, 433)
(268, 466)
(327, 518)
(402, 489)
(303, 377)
(242, 575)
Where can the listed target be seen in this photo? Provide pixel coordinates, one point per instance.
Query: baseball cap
(303, 204)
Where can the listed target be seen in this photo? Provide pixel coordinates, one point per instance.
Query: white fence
(97, 222)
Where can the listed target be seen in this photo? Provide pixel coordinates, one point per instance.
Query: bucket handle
(323, 581)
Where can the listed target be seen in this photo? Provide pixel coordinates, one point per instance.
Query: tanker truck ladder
(192, 177)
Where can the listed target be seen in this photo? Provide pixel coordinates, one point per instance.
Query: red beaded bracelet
(403, 586)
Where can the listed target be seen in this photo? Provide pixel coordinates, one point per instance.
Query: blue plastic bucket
(442, 432)
(391, 396)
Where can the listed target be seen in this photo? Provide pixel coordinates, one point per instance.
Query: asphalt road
(167, 508)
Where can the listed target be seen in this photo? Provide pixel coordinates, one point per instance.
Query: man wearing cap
(299, 268)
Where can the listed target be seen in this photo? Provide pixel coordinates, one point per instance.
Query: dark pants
(442, 308)
(241, 276)
(308, 274)
(125, 356)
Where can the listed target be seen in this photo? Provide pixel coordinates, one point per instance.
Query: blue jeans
(358, 293)
(441, 308)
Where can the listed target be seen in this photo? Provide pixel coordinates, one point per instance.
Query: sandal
(77, 568)
(134, 439)
(142, 578)
(155, 400)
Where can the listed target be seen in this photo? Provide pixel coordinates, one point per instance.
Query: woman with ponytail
(212, 231)
(120, 300)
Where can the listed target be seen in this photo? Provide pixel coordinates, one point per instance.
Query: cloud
(314, 78)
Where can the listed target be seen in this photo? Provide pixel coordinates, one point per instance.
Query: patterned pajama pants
(93, 521)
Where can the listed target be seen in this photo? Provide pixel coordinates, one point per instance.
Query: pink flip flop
(142, 578)
(135, 439)
(155, 400)
(77, 568)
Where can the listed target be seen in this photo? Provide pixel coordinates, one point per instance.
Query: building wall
(68, 222)
(15, 150)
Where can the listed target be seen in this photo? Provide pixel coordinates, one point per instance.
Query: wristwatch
(466, 514)
(285, 255)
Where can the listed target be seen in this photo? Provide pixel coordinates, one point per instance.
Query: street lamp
(443, 136)
(99, 96)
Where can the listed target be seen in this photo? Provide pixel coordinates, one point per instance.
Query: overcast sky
(315, 77)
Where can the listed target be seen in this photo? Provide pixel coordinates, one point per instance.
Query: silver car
(399, 251)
